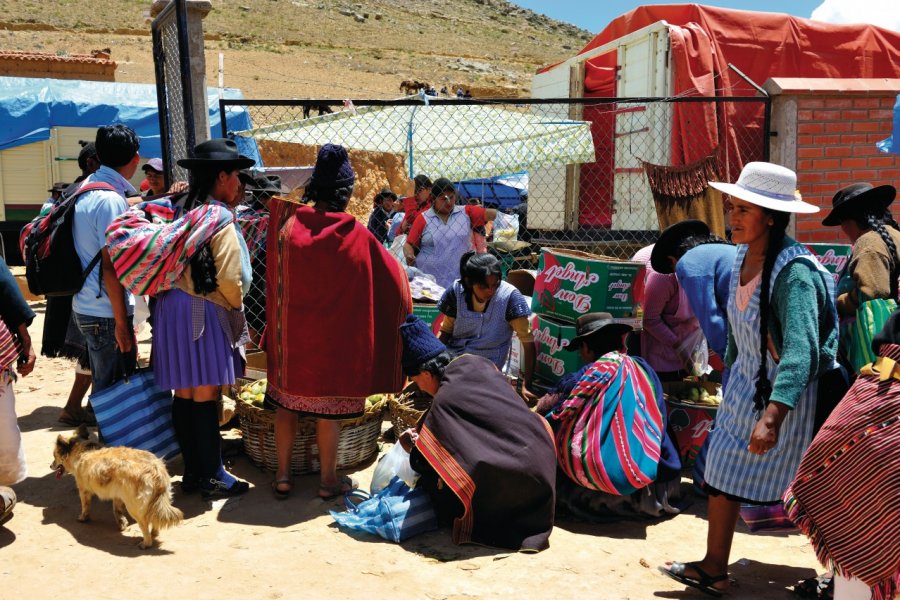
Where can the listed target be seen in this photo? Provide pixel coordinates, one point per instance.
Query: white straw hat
(767, 185)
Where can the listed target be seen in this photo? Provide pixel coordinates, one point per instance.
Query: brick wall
(828, 138)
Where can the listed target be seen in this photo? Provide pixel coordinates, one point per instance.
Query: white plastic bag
(396, 248)
(395, 463)
(695, 350)
(506, 227)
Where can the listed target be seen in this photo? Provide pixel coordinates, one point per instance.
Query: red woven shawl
(335, 300)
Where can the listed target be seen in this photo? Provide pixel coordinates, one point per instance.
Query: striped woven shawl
(611, 428)
(150, 246)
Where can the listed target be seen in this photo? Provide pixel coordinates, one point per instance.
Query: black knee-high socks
(182, 421)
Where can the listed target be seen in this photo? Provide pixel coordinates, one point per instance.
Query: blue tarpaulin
(30, 107)
(503, 192)
(892, 144)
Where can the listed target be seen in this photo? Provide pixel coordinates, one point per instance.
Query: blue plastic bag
(395, 513)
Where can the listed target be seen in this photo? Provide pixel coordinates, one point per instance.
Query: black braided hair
(876, 220)
(776, 239)
(476, 268)
(201, 181)
(329, 199)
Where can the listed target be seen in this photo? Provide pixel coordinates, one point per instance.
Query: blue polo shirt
(94, 211)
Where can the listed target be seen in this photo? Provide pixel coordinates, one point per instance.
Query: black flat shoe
(214, 488)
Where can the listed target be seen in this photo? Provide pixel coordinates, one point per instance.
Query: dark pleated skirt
(178, 360)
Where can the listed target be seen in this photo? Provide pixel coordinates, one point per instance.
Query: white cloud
(883, 13)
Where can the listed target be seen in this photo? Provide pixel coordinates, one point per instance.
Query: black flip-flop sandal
(7, 503)
(282, 494)
(704, 583)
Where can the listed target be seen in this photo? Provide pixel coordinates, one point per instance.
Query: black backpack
(52, 266)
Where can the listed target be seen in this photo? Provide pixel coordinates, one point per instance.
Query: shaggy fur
(135, 480)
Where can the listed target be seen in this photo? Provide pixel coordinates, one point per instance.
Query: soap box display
(570, 283)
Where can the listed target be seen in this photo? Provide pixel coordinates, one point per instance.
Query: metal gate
(171, 59)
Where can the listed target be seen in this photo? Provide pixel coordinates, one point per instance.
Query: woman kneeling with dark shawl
(487, 461)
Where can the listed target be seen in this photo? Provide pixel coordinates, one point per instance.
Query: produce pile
(254, 393)
(698, 395)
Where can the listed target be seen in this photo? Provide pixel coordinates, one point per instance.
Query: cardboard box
(430, 314)
(833, 257)
(570, 283)
(690, 422)
(551, 338)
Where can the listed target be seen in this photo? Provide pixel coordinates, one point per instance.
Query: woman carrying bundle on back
(867, 289)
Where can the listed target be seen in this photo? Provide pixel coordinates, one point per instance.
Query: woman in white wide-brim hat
(766, 418)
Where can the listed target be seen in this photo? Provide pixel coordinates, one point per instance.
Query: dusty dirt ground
(257, 547)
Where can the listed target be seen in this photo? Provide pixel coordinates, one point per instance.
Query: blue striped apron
(486, 334)
(730, 466)
(443, 244)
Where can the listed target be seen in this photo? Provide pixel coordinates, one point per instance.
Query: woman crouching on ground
(487, 461)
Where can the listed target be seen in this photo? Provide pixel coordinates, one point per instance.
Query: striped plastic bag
(135, 412)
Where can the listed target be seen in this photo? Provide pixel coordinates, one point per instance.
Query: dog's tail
(162, 514)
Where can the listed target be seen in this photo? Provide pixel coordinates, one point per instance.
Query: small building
(96, 66)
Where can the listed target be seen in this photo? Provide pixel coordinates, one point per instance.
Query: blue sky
(594, 15)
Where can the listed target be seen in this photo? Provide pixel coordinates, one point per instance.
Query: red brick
(866, 102)
(804, 115)
(805, 164)
(853, 138)
(863, 149)
(838, 102)
(881, 114)
(872, 138)
(866, 126)
(811, 128)
(830, 163)
(813, 152)
(889, 175)
(837, 176)
(827, 140)
(879, 162)
(809, 176)
(837, 151)
(853, 163)
(838, 127)
(810, 103)
(888, 101)
(805, 140)
(864, 175)
(826, 115)
(807, 225)
(854, 114)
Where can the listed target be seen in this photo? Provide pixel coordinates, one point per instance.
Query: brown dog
(135, 480)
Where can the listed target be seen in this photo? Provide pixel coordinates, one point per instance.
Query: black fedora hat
(670, 239)
(385, 193)
(592, 324)
(246, 178)
(856, 196)
(218, 152)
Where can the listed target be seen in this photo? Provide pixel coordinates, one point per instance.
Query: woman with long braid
(765, 421)
(867, 290)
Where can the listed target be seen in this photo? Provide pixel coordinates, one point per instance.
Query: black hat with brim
(593, 324)
(850, 199)
(267, 184)
(217, 152)
(669, 240)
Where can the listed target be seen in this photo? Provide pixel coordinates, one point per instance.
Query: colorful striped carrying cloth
(254, 224)
(846, 495)
(150, 247)
(611, 428)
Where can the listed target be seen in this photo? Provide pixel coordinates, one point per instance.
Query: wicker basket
(407, 408)
(357, 443)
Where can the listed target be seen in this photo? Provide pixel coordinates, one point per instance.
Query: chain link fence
(171, 60)
(522, 176)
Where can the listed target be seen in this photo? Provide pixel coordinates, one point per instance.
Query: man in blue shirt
(103, 309)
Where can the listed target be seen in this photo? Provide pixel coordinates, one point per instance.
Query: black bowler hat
(267, 184)
(217, 152)
(592, 324)
(669, 240)
(850, 199)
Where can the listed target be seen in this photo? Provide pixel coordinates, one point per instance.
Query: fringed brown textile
(683, 192)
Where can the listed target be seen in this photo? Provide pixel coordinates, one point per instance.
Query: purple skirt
(178, 360)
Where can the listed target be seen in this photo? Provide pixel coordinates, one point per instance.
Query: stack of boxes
(569, 284)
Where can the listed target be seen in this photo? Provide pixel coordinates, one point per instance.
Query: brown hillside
(317, 48)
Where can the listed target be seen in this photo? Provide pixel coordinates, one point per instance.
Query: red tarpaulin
(703, 41)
